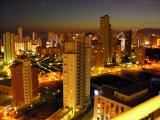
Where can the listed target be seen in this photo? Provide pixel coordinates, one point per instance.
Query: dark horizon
(53, 15)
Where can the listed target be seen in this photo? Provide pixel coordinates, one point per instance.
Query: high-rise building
(39, 42)
(128, 42)
(61, 38)
(53, 39)
(50, 36)
(120, 37)
(141, 39)
(134, 38)
(158, 41)
(26, 43)
(76, 73)
(23, 82)
(118, 52)
(133, 41)
(9, 47)
(97, 58)
(140, 54)
(34, 36)
(1, 45)
(106, 37)
(20, 34)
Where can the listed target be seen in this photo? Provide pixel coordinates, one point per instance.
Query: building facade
(9, 47)
(23, 82)
(111, 102)
(106, 38)
(76, 73)
(128, 43)
(135, 42)
(105, 108)
(20, 34)
(140, 54)
(97, 59)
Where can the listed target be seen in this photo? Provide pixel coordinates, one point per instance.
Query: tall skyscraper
(34, 36)
(76, 72)
(53, 39)
(128, 42)
(118, 53)
(20, 34)
(134, 38)
(9, 47)
(140, 54)
(23, 82)
(97, 59)
(27, 43)
(106, 37)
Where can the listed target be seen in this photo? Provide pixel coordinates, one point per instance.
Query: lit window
(98, 111)
(99, 105)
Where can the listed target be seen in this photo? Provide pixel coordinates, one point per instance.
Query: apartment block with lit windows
(106, 38)
(76, 73)
(97, 58)
(24, 83)
(112, 101)
(9, 47)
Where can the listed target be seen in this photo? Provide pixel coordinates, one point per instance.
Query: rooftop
(134, 88)
(16, 63)
(109, 93)
(111, 80)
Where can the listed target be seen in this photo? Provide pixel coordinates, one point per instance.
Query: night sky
(77, 15)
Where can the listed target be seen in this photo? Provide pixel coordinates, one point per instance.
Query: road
(89, 115)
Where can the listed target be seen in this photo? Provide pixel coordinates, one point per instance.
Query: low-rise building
(112, 101)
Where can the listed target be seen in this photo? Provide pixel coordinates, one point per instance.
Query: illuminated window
(99, 105)
(98, 111)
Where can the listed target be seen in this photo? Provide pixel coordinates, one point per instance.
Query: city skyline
(52, 15)
(97, 75)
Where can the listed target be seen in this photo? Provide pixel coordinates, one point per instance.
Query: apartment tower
(106, 38)
(76, 73)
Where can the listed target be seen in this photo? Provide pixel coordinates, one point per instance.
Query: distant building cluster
(15, 45)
